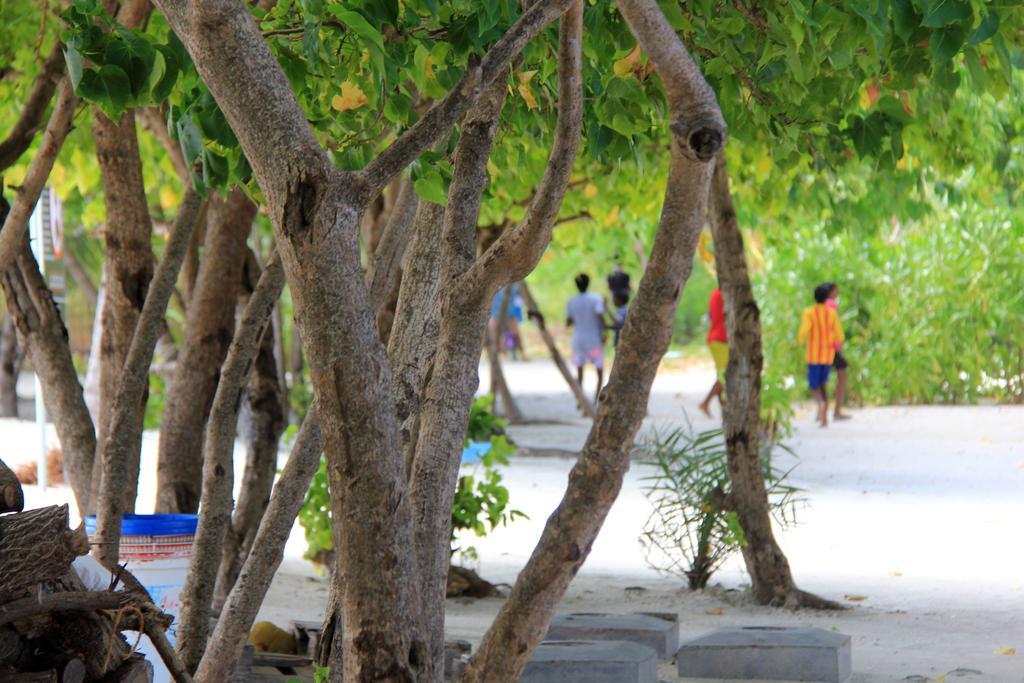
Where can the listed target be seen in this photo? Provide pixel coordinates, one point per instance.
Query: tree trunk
(315, 209)
(770, 576)
(218, 466)
(119, 455)
(574, 386)
(31, 305)
(244, 600)
(10, 365)
(596, 479)
(127, 271)
(208, 333)
(263, 422)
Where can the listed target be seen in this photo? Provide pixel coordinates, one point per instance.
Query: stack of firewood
(51, 627)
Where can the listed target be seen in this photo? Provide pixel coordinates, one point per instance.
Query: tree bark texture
(595, 481)
(316, 210)
(771, 579)
(39, 322)
(12, 498)
(57, 128)
(263, 421)
(470, 283)
(246, 596)
(119, 454)
(32, 111)
(127, 271)
(37, 546)
(11, 356)
(208, 331)
(574, 386)
(218, 467)
(414, 332)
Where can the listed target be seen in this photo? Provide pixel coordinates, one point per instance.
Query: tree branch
(517, 251)
(38, 171)
(698, 126)
(479, 75)
(596, 479)
(218, 467)
(76, 601)
(385, 263)
(32, 111)
(244, 600)
(128, 403)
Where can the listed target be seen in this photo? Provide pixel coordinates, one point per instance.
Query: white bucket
(157, 550)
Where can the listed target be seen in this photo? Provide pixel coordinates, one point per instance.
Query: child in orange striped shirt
(820, 330)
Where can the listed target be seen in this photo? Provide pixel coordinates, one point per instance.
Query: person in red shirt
(718, 344)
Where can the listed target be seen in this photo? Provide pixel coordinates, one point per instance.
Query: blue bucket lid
(151, 525)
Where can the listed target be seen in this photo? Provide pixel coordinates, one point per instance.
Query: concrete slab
(660, 632)
(767, 653)
(575, 661)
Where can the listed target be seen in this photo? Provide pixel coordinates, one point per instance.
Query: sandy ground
(915, 510)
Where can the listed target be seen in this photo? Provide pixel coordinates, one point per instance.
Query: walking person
(585, 315)
(839, 364)
(718, 344)
(820, 330)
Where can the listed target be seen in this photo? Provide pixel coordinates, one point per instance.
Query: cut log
(135, 669)
(36, 546)
(11, 497)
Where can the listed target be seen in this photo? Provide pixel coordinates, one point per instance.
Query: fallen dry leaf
(895, 573)
(717, 612)
(1006, 651)
(855, 598)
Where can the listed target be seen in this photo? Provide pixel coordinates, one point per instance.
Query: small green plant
(690, 532)
(480, 504)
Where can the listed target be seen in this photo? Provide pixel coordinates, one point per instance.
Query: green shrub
(480, 504)
(689, 533)
(933, 311)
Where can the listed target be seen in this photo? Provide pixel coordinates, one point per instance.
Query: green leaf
(945, 43)
(134, 54)
(986, 29)
(108, 88)
(904, 18)
(939, 13)
(362, 28)
(162, 88)
(74, 62)
(431, 188)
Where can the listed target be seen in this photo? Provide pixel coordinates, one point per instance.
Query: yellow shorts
(720, 352)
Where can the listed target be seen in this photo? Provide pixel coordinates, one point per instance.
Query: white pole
(38, 226)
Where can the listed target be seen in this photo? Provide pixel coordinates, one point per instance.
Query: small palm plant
(691, 532)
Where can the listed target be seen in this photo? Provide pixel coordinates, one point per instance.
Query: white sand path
(917, 509)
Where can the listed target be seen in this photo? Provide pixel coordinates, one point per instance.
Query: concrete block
(656, 632)
(591, 662)
(767, 653)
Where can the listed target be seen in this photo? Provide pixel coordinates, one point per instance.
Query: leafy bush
(689, 533)
(480, 504)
